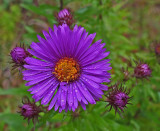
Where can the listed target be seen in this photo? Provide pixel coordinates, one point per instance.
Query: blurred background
(130, 29)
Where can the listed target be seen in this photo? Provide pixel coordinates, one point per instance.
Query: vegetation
(130, 29)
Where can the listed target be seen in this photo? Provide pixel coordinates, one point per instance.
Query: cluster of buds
(118, 97)
(140, 71)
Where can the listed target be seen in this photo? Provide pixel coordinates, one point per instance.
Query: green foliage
(14, 91)
(14, 121)
(8, 23)
(116, 24)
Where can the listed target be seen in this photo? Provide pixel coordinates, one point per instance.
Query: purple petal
(85, 92)
(37, 76)
(70, 95)
(53, 101)
(37, 80)
(30, 72)
(83, 105)
(63, 99)
(34, 67)
(49, 95)
(33, 61)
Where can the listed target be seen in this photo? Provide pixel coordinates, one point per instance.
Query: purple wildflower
(69, 69)
(118, 98)
(30, 110)
(65, 17)
(142, 70)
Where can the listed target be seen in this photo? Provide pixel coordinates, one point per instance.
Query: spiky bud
(126, 74)
(18, 54)
(157, 49)
(142, 70)
(29, 110)
(118, 98)
(64, 17)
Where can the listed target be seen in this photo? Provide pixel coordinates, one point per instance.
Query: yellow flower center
(66, 69)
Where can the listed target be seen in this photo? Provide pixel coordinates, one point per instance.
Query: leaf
(137, 126)
(45, 10)
(15, 91)
(48, 116)
(15, 121)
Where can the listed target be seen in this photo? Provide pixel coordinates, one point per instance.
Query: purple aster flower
(18, 54)
(30, 110)
(118, 98)
(69, 70)
(65, 17)
(142, 70)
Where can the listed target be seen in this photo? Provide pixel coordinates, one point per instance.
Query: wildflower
(142, 70)
(157, 49)
(18, 54)
(155, 46)
(30, 110)
(65, 17)
(69, 69)
(118, 98)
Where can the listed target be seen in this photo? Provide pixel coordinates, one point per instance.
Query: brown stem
(100, 3)
(61, 4)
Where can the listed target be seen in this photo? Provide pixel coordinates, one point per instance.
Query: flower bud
(64, 17)
(30, 110)
(118, 98)
(18, 55)
(157, 49)
(142, 70)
